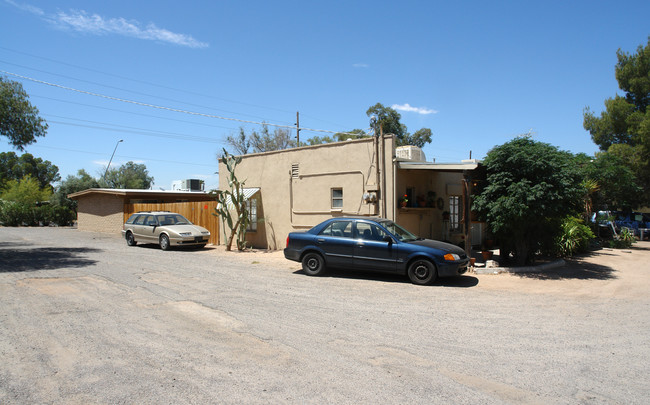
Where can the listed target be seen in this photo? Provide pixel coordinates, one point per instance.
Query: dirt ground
(604, 273)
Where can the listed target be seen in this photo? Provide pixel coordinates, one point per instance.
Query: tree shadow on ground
(576, 268)
(15, 257)
(458, 281)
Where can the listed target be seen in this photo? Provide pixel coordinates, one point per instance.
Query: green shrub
(574, 237)
(624, 240)
(22, 214)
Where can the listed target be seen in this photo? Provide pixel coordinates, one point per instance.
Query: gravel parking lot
(86, 319)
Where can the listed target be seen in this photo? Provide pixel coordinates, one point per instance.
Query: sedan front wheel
(164, 242)
(422, 272)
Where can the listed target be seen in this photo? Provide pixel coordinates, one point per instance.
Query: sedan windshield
(399, 232)
(173, 219)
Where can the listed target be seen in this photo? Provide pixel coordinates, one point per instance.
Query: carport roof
(441, 167)
(134, 193)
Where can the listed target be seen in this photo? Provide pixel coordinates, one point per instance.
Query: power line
(142, 81)
(123, 156)
(127, 90)
(129, 112)
(163, 107)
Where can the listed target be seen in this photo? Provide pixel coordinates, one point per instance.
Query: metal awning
(248, 193)
(440, 167)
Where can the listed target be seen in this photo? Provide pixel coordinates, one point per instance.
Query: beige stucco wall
(287, 203)
(100, 213)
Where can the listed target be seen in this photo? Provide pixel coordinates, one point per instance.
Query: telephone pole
(297, 129)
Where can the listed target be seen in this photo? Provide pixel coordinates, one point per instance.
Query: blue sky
(476, 73)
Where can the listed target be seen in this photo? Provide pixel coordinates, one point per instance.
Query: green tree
(617, 184)
(26, 191)
(19, 120)
(626, 119)
(129, 175)
(338, 137)
(73, 184)
(388, 119)
(14, 167)
(531, 186)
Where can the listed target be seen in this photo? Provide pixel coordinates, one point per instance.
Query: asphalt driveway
(86, 319)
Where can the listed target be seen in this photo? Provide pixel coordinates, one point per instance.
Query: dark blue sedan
(374, 244)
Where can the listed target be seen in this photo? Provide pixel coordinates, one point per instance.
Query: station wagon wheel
(164, 242)
(313, 264)
(422, 272)
(130, 239)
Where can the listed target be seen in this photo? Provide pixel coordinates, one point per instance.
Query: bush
(624, 240)
(21, 214)
(574, 237)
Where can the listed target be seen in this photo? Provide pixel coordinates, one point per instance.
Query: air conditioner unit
(410, 152)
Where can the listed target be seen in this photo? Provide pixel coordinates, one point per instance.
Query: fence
(198, 212)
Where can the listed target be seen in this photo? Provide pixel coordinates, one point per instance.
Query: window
(368, 231)
(454, 213)
(251, 204)
(341, 229)
(337, 198)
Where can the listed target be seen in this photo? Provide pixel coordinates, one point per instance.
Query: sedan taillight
(287, 241)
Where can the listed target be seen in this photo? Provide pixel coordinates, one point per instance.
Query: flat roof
(126, 192)
(441, 167)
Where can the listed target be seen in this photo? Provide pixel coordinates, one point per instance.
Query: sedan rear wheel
(313, 264)
(422, 272)
(130, 239)
(164, 242)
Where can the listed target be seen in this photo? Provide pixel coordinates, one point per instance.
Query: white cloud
(81, 21)
(26, 7)
(407, 107)
(360, 65)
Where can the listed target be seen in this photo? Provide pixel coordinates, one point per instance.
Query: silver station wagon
(164, 228)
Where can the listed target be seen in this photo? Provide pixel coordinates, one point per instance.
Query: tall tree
(623, 128)
(129, 175)
(388, 119)
(14, 167)
(531, 186)
(19, 119)
(73, 184)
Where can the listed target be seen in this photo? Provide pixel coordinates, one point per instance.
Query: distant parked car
(166, 229)
(374, 244)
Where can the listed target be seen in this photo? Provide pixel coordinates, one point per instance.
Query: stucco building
(295, 189)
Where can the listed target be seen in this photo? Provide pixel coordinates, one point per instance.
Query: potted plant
(403, 201)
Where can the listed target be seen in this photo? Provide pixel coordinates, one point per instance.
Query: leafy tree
(617, 184)
(263, 141)
(626, 119)
(238, 223)
(531, 186)
(338, 137)
(129, 175)
(420, 138)
(14, 167)
(388, 119)
(26, 191)
(73, 184)
(19, 120)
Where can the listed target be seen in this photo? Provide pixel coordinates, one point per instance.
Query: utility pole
(297, 129)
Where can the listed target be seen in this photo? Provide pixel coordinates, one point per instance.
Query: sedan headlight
(205, 233)
(450, 257)
(185, 233)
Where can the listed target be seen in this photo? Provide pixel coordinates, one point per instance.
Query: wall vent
(295, 170)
